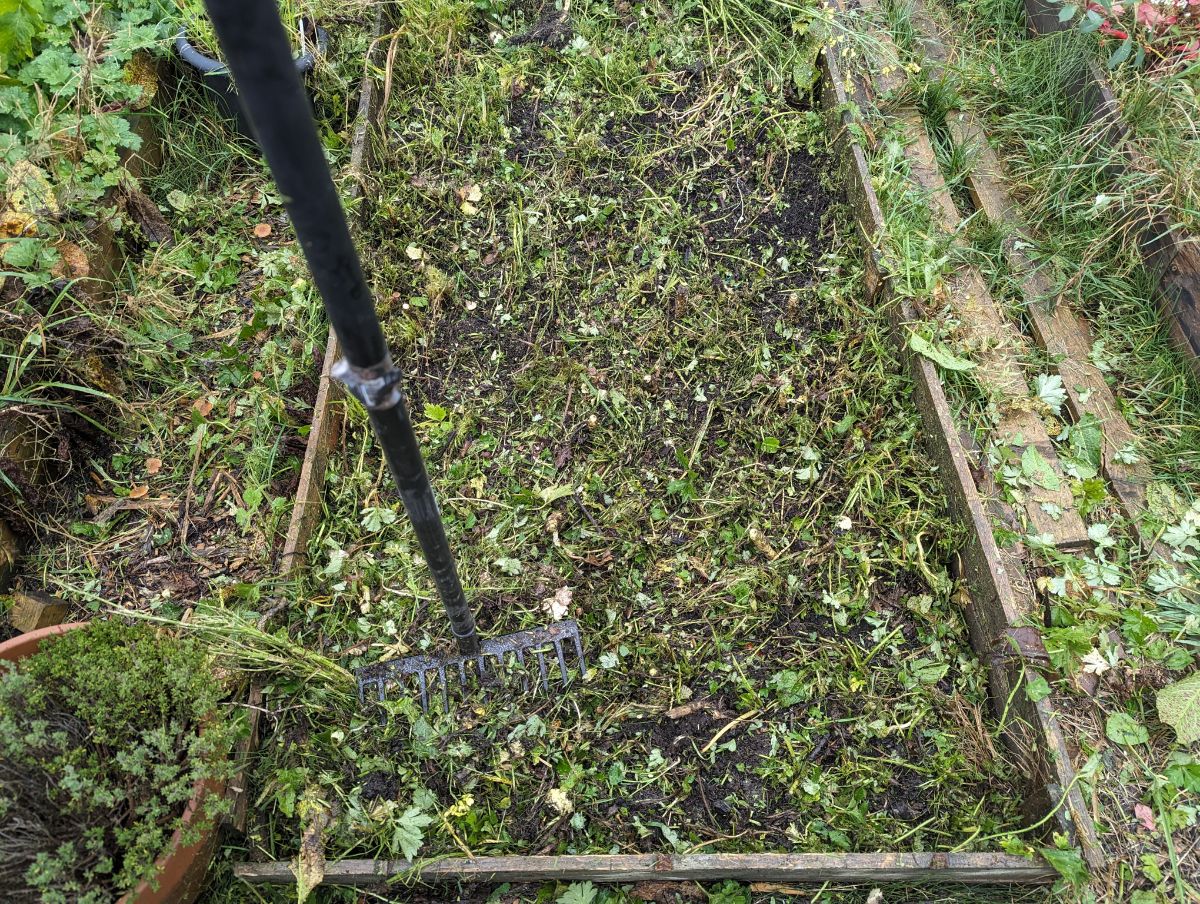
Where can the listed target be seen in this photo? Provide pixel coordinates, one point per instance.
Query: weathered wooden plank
(10, 554)
(997, 347)
(1059, 330)
(614, 868)
(1001, 595)
(322, 438)
(1001, 598)
(328, 413)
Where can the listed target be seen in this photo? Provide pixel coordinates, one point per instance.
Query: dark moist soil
(737, 205)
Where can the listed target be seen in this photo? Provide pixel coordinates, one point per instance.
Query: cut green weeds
(1121, 623)
(652, 398)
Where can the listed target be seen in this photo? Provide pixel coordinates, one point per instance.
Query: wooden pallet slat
(997, 347)
(1057, 329)
(1001, 597)
(985, 868)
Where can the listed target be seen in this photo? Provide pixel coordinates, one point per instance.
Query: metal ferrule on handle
(259, 57)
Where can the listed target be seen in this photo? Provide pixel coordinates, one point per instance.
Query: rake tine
(424, 691)
(492, 664)
(524, 674)
(562, 661)
(579, 652)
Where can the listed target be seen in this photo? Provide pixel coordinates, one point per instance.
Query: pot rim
(24, 645)
(206, 65)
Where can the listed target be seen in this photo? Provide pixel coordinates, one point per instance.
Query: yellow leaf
(309, 866)
(14, 224)
(28, 189)
(472, 193)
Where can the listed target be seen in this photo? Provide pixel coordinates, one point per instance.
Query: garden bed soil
(650, 394)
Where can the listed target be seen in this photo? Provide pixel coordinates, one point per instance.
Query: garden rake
(258, 55)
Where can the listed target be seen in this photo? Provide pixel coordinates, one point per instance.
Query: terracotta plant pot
(181, 869)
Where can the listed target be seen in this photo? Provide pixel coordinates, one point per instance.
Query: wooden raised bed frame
(996, 598)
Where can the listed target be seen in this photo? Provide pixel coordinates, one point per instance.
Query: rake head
(374, 680)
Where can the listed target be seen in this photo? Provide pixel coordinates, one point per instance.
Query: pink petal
(1144, 815)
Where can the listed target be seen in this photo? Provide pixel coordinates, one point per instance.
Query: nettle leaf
(408, 832)
(1035, 467)
(1068, 864)
(938, 353)
(20, 20)
(1179, 706)
(1050, 390)
(1123, 728)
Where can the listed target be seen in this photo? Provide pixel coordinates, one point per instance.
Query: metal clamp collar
(377, 386)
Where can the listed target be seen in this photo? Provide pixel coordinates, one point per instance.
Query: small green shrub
(100, 747)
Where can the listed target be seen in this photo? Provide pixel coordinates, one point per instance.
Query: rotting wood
(1047, 511)
(322, 437)
(1056, 327)
(10, 553)
(1001, 598)
(32, 609)
(807, 868)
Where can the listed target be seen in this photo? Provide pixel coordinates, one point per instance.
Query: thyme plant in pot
(113, 756)
(196, 45)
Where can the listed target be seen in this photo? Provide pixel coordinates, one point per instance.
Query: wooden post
(32, 609)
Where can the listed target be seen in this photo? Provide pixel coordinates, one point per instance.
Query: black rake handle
(257, 51)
